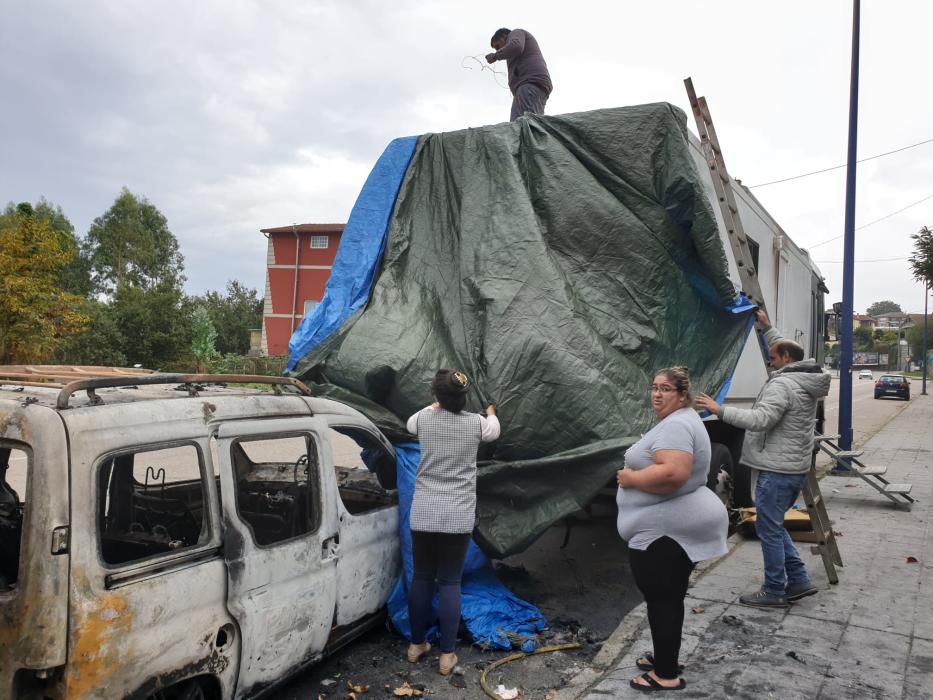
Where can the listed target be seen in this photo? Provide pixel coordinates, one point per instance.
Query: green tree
(101, 343)
(233, 314)
(914, 337)
(75, 276)
(154, 323)
(883, 307)
(131, 244)
(921, 262)
(36, 315)
(862, 339)
(203, 336)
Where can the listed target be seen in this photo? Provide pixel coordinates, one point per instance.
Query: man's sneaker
(800, 590)
(763, 599)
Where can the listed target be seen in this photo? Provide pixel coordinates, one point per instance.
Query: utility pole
(926, 296)
(848, 265)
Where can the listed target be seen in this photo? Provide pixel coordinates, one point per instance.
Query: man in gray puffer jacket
(778, 446)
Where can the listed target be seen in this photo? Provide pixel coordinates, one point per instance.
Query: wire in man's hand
(480, 59)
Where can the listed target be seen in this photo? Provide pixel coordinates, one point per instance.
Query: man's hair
(450, 389)
(500, 34)
(789, 348)
(679, 377)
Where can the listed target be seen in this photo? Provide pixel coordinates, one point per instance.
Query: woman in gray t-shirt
(669, 519)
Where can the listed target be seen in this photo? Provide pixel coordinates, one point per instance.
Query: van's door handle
(330, 548)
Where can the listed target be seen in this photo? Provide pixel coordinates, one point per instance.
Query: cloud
(237, 115)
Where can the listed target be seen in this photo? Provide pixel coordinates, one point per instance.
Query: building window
(320, 242)
(152, 503)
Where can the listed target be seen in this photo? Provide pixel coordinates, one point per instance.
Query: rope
(515, 657)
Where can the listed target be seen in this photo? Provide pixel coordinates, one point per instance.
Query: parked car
(893, 385)
(202, 543)
(866, 374)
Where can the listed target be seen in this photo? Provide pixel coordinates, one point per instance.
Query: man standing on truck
(529, 79)
(778, 446)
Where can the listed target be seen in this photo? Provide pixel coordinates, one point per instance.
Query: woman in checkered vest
(443, 510)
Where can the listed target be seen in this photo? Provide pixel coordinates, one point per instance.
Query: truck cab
(170, 536)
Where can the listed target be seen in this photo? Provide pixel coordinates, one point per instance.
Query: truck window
(151, 502)
(277, 487)
(14, 467)
(363, 468)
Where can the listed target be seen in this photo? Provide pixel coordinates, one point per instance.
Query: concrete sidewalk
(870, 636)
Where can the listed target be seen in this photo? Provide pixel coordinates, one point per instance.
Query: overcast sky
(234, 116)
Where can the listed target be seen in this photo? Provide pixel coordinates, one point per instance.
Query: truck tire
(720, 461)
(742, 487)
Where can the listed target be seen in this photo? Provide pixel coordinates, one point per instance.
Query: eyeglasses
(663, 388)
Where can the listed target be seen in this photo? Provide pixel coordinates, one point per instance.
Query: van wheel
(719, 479)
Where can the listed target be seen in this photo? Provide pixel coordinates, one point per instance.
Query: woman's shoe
(447, 663)
(646, 663)
(417, 651)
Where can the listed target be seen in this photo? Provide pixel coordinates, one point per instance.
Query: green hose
(516, 657)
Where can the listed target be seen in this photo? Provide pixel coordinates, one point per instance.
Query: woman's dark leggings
(662, 573)
(436, 555)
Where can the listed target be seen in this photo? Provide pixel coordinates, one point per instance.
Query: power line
(867, 260)
(837, 167)
(871, 223)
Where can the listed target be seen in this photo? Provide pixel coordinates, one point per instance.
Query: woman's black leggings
(662, 573)
(436, 555)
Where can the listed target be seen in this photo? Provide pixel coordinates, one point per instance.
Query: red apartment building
(298, 265)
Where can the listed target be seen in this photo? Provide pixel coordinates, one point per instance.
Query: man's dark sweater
(525, 61)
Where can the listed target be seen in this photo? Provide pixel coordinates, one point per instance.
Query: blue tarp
(360, 251)
(488, 609)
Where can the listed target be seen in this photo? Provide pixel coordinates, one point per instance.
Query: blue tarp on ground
(492, 614)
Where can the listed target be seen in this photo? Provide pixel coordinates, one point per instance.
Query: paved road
(585, 584)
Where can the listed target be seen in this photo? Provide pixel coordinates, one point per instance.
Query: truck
(177, 536)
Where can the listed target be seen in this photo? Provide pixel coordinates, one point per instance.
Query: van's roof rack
(71, 379)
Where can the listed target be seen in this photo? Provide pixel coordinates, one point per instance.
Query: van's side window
(364, 470)
(151, 502)
(14, 467)
(277, 491)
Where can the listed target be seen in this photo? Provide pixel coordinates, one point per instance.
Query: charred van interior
(151, 502)
(12, 493)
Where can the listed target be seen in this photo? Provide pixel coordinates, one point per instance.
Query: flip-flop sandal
(653, 685)
(648, 663)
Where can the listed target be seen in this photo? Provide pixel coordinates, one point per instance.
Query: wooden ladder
(823, 537)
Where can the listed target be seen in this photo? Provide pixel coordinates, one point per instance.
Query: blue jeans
(775, 493)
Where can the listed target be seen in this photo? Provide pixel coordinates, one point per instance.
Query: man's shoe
(763, 599)
(800, 590)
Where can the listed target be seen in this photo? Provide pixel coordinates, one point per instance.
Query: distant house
(863, 321)
(892, 321)
(298, 265)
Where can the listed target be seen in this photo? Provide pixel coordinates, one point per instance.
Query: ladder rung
(898, 488)
(872, 471)
(848, 454)
(819, 438)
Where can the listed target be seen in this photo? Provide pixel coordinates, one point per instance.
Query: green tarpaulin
(559, 261)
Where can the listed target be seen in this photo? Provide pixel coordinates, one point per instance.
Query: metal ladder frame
(822, 535)
(847, 464)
